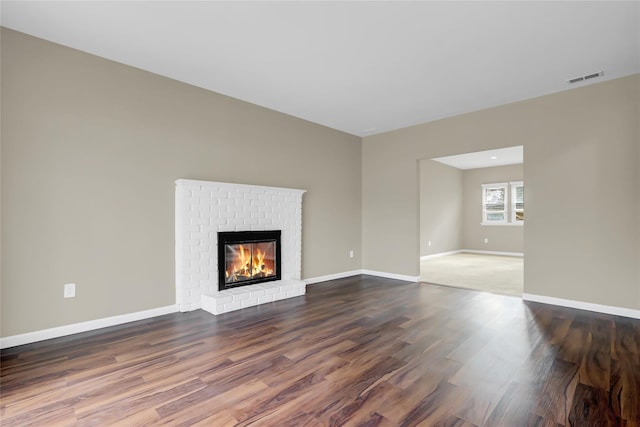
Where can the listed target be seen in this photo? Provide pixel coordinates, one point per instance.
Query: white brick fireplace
(203, 209)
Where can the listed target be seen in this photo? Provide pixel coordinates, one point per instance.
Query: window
(517, 202)
(494, 203)
(503, 203)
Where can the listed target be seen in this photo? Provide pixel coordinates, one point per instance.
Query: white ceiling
(485, 159)
(360, 67)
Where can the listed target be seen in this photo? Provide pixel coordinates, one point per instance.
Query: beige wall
(582, 161)
(501, 238)
(441, 208)
(90, 152)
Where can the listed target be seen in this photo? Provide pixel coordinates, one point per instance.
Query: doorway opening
(472, 214)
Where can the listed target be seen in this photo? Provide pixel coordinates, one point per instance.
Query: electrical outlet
(351, 253)
(69, 290)
(486, 240)
(429, 243)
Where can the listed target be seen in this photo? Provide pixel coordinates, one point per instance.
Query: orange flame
(248, 265)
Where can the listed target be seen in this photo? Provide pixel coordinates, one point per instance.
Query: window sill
(504, 224)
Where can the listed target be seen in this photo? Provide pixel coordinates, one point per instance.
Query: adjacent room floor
(490, 273)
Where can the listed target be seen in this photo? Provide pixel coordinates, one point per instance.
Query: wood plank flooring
(357, 351)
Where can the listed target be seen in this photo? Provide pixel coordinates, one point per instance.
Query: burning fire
(248, 263)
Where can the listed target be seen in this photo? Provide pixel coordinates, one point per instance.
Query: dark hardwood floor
(356, 351)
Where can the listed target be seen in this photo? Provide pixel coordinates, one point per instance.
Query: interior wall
(441, 208)
(501, 238)
(581, 236)
(90, 152)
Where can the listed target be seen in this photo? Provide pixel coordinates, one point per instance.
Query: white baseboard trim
(476, 251)
(60, 331)
(472, 251)
(335, 276)
(599, 308)
(386, 275)
(439, 254)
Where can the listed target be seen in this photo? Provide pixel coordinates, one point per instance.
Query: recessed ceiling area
(359, 67)
(485, 159)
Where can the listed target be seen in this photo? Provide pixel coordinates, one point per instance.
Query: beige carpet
(489, 273)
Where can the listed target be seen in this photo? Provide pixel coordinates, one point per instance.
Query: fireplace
(248, 257)
(204, 209)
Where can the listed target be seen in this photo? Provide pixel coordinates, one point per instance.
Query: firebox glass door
(249, 261)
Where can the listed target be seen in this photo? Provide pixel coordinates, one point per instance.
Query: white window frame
(510, 210)
(505, 187)
(514, 210)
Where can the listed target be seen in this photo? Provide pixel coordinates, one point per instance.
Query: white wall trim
(392, 275)
(386, 275)
(335, 276)
(599, 308)
(475, 251)
(439, 254)
(60, 331)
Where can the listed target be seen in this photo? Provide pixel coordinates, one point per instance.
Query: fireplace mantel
(203, 208)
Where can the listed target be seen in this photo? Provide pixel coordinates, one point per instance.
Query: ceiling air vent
(585, 77)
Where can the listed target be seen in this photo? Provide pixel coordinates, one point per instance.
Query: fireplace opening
(248, 257)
